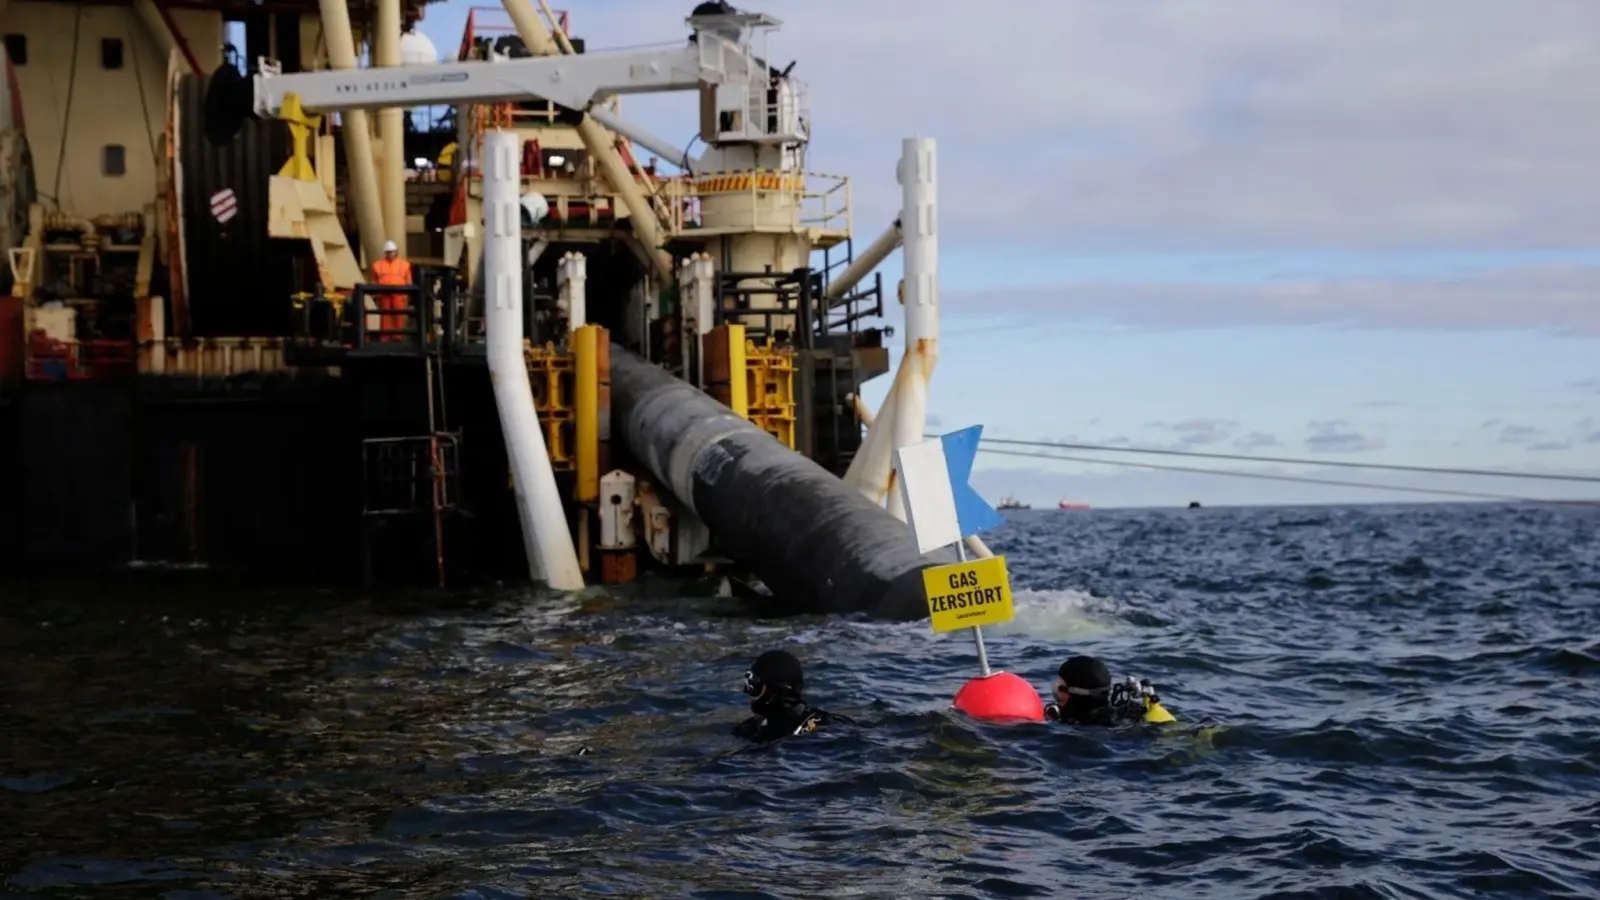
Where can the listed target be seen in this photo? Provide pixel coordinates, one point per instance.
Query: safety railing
(405, 475)
(860, 305)
(485, 20)
(770, 305)
(52, 360)
(816, 202)
(398, 324)
(371, 320)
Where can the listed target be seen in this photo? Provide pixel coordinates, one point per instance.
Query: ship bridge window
(111, 53)
(116, 159)
(17, 49)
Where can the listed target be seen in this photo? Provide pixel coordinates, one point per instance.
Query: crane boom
(746, 100)
(571, 81)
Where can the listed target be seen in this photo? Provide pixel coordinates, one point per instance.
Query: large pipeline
(818, 544)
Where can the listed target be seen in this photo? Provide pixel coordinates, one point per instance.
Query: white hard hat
(389, 247)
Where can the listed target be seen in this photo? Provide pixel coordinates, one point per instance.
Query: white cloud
(1337, 436)
(1256, 440)
(1208, 125)
(1231, 122)
(1199, 432)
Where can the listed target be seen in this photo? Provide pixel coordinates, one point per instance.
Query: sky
(1327, 229)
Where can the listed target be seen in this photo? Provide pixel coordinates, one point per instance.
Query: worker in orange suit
(392, 270)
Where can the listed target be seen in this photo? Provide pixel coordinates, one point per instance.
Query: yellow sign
(968, 594)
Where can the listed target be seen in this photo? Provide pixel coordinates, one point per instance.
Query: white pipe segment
(646, 139)
(919, 236)
(875, 253)
(545, 536)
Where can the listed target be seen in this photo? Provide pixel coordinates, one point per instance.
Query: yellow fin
(1156, 714)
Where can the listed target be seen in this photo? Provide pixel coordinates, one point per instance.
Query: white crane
(751, 104)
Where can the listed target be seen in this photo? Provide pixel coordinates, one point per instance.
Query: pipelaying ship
(610, 356)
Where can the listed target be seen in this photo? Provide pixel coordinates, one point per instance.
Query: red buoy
(1001, 696)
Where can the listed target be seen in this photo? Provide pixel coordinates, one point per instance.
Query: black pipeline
(816, 543)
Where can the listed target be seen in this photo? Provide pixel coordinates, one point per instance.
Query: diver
(776, 685)
(1086, 695)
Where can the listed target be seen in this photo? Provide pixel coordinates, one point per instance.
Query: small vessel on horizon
(1009, 501)
(1071, 504)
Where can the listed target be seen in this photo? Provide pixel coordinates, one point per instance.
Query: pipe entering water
(817, 543)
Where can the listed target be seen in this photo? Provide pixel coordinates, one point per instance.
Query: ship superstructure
(193, 364)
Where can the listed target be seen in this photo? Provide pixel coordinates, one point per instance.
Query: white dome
(417, 50)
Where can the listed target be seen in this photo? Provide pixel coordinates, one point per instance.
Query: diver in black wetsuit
(1085, 695)
(776, 683)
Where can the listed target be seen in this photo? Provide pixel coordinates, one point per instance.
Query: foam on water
(1061, 615)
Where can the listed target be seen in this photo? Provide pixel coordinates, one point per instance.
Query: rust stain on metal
(927, 354)
(657, 520)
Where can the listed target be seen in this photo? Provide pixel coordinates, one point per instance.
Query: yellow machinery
(755, 382)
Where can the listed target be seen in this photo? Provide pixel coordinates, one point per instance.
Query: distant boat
(1072, 504)
(1010, 502)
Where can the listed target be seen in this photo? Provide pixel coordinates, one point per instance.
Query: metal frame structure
(753, 104)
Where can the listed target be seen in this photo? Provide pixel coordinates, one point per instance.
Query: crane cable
(1264, 476)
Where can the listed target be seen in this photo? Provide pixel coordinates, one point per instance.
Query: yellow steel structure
(300, 207)
(725, 377)
(721, 182)
(738, 382)
(769, 373)
(301, 128)
(550, 375)
(586, 345)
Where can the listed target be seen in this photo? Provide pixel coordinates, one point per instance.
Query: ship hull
(259, 478)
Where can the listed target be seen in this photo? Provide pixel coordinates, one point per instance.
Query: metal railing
(327, 328)
(819, 201)
(482, 20)
(864, 302)
(408, 475)
(770, 305)
(84, 360)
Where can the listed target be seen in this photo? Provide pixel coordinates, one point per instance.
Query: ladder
(413, 475)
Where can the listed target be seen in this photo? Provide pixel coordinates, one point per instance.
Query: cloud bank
(1218, 125)
(1560, 298)
(1170, 123)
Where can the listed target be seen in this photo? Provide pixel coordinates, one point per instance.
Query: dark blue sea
(1379, 702)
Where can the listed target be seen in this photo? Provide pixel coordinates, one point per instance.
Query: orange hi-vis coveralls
(392, 271)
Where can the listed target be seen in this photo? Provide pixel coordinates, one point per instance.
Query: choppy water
(1401, 703)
